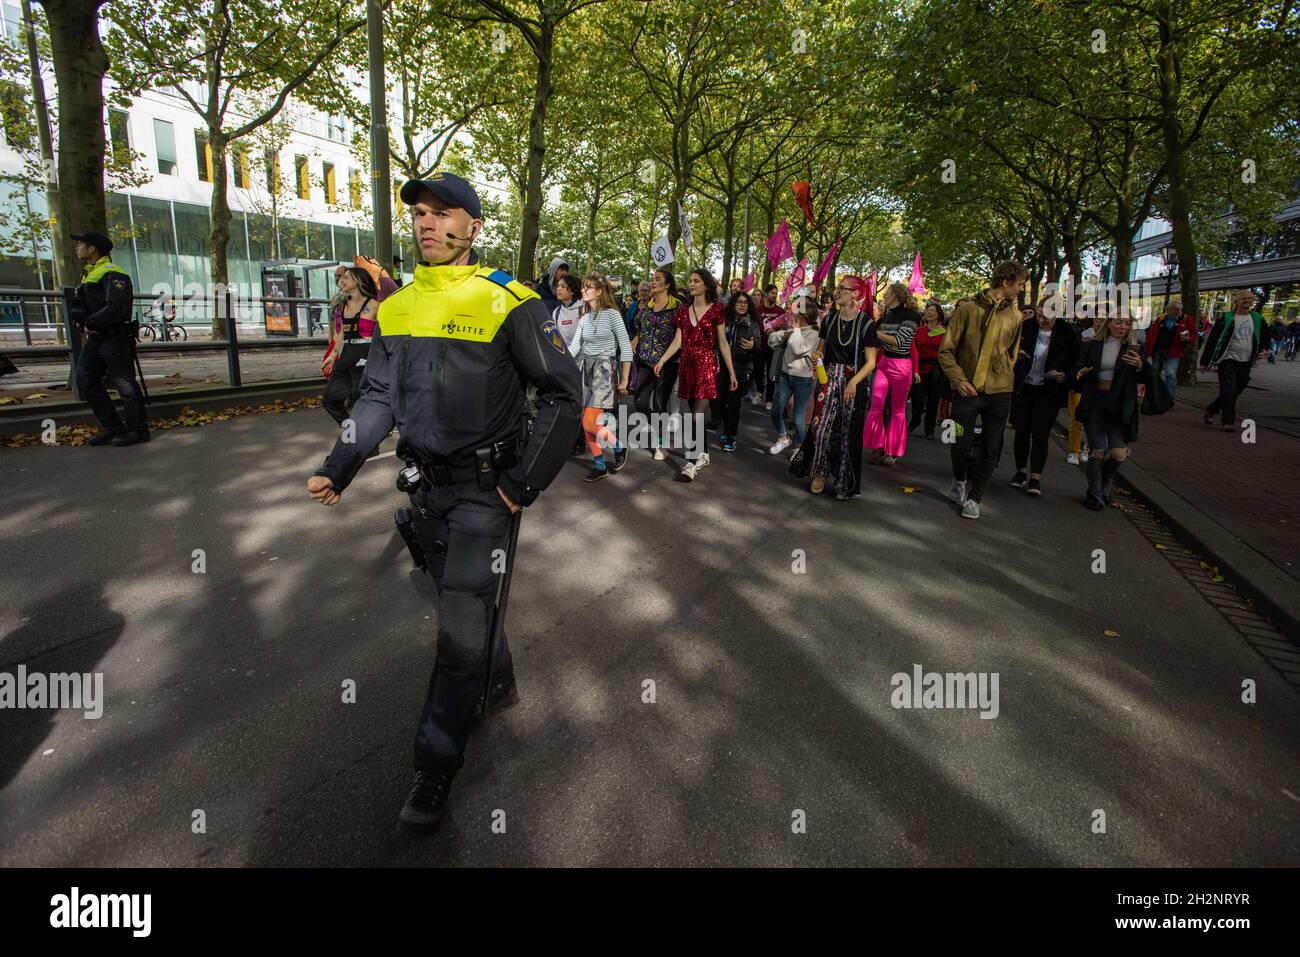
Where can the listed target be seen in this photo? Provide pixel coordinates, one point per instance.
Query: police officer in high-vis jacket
(448, 366)
(102, 306)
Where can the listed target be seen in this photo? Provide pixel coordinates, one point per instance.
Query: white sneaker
(1073, 458)
(702, 461)
(781, 445)
(958, 492)
(768, 406)
(660, 455)
(971, 509)
(688, 472)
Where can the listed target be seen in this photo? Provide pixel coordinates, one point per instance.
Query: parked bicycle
(158, 319)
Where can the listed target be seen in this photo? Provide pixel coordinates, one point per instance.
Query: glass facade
(155, 243)
(161, 243)
(345, 243)
(293, 239)
(119, 230)
(319, 243)
(193, 223)
(238, 266)
(261, 238)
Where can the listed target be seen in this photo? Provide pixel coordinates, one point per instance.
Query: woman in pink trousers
(893, 376)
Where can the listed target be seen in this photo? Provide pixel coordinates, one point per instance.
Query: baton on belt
(499, 609)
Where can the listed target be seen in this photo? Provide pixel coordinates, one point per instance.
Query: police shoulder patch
(507, 282)
(552, 332)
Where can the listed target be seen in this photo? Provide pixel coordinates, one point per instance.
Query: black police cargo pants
(474, 524)
(112, 356)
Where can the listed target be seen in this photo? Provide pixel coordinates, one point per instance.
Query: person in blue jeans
(1167, 342)
(796, 374)
(1277, 336)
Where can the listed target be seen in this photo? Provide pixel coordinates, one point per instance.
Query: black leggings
(653, 394)
(1036, 408)
(344, 385)
(729, 401)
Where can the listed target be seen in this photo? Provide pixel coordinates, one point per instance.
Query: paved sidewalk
(167, 372)
(1238, 502)
(1249, 489)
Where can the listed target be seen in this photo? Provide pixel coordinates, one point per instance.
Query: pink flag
(825, 267)
(778, 246)
(917, 285)
(871, 294)
(748, 284)
(794, 281)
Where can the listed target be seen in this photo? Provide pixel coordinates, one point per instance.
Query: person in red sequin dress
(701, 326)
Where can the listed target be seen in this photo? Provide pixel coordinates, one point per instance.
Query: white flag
(687, 236)
(661, 252)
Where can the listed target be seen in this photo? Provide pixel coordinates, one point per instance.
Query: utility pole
(380, 180)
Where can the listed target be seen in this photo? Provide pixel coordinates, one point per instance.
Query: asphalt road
(772, 687)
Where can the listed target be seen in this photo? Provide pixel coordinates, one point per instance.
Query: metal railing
(223, 309)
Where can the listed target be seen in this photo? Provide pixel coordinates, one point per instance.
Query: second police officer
(448, 367)
(102, 305)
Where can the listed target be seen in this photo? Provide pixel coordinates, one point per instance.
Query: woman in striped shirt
(893, 376)
(600, 337)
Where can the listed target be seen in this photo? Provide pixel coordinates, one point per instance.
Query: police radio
(409, 479)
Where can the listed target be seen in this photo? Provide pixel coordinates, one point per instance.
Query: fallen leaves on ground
(1110, 634)
(911, 489)
(185, 419)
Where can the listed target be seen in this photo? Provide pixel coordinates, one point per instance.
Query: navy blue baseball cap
(448, 188)
(98, 240)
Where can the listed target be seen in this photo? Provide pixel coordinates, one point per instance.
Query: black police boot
(105, 435)
(132, 437)
(503, 694)
(406, 528)
(426, 805)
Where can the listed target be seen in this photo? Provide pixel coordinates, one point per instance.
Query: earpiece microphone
(464, 239)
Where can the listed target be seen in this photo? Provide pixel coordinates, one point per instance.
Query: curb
(1273, 593)
(17, 420)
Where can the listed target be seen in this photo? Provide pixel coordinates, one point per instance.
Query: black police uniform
(102, 304)
(448, 366)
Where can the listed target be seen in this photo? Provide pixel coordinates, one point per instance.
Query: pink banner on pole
(794, 281)
(917, 285)
(748, 284)
(825, 267)
(871, 293)
(779, 248)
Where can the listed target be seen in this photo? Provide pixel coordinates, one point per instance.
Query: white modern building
(320, 211)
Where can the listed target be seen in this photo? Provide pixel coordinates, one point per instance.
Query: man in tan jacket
(978, 356)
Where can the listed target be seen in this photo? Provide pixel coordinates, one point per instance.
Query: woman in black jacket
(1049, 350)
(745, 336)
(1110, 368)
